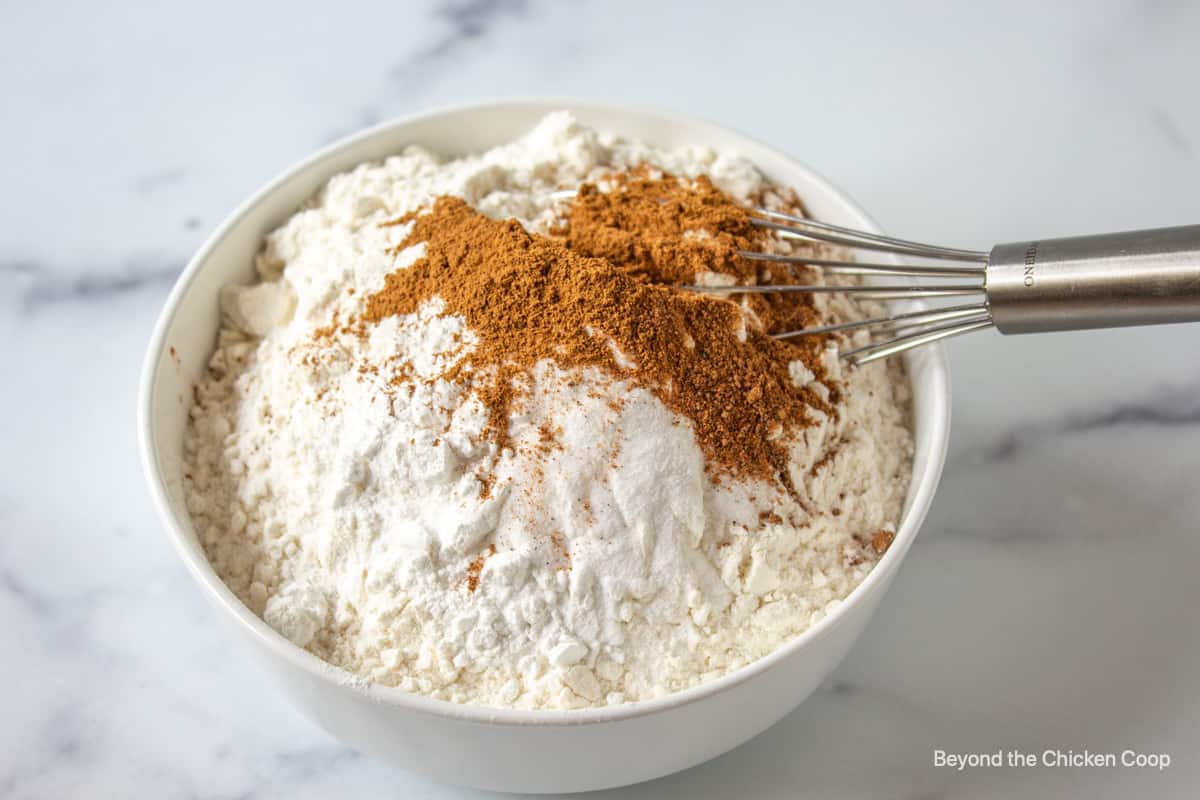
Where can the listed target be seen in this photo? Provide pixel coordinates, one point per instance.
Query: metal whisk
(1143, 277)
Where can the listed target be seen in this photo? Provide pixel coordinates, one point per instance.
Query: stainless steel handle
(1133, 278)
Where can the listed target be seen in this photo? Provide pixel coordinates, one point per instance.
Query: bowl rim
(922, 487)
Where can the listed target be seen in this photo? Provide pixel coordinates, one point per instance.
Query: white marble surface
(1051, 600)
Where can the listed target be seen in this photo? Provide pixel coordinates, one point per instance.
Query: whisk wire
(889, 292)
(837, 267)
(894, 322)
(899, 344)
(811, 228)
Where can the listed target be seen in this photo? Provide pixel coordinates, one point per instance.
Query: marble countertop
(1049, 602)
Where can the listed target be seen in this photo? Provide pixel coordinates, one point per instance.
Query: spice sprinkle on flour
(466, 436)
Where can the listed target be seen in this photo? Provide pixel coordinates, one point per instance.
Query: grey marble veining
(467, 21)
(43, 289)
(1049, 601)
(1170, 407)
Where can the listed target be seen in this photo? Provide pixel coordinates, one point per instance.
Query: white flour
(347, 512)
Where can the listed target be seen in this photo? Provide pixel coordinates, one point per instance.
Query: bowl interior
(186, 333)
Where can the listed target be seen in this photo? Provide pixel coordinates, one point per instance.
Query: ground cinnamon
(602, 293)
(671, 231)
(475, 568)
(881, 540)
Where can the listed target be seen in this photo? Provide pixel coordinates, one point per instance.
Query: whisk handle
(1145, 277)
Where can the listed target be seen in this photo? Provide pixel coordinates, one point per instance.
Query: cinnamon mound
(672, 231)
(599, 298)
(662, 229)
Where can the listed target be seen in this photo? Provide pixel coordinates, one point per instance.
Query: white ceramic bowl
(509, 750)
